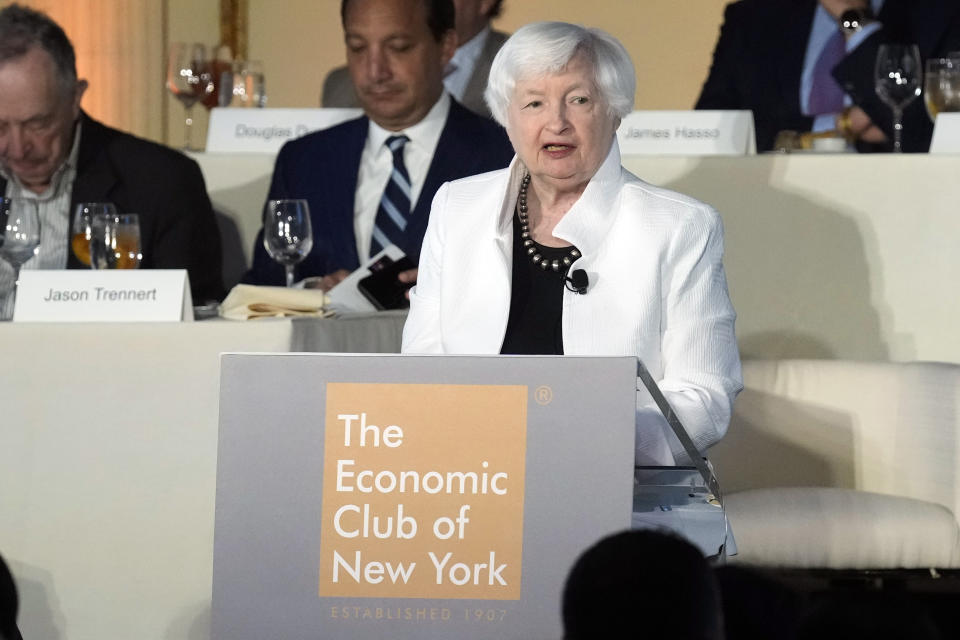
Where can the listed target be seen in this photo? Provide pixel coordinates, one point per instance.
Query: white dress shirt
(463, 63)
(657, 291)
(376, 165)
(53, 206)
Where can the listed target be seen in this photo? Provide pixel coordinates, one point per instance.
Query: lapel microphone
(577, 281)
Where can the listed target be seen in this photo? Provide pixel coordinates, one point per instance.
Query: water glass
(287, 233)
(19, 232)
(897, 76)
(243, 85)
(80, 235)
(115, 241)
(941, 85)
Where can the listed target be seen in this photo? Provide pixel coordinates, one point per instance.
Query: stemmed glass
(897, 82)
(220, 63)
(19, 232)
(82, 218)
(189, 79)
(287, 233)
(941, 85)
(115, 241)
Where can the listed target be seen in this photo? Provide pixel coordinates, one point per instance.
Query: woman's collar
(588, 220)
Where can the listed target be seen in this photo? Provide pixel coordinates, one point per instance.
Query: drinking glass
(897, 82)
(19, 232)
(287, 235)
(941, 85)
(189, 79)
(221, 61)
(243, 85)
(115, 241)
(82, 217)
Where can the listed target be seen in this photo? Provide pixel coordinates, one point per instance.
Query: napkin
(247, 301)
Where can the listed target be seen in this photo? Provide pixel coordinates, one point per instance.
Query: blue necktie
(394, 209)
(826, 96)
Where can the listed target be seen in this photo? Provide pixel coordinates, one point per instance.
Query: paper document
(346, 298)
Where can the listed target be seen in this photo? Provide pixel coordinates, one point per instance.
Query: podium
(408, 496)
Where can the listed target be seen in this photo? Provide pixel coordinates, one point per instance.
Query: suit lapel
(96, 179)
(339, 175)
(796, 28)
(473, 95)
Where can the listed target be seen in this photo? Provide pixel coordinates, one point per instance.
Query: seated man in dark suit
(370, 181)
(465, 76)
(52, 151)
(808, 65)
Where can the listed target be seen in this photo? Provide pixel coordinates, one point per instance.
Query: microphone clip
(577, 282)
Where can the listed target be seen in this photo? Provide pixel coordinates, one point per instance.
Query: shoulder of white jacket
(652, 196)
(480, 181)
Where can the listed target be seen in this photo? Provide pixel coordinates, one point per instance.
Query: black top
(536, 301)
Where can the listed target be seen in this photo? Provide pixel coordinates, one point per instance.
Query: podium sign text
(413, 496)
(441, 519)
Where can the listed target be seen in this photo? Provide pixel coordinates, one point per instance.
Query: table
(827, 255)
(108, 449)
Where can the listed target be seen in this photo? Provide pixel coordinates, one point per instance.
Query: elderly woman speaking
(501, 250)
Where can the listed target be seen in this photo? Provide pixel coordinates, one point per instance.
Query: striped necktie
(394, 209)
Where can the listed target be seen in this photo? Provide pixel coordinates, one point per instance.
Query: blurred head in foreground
(645, 583)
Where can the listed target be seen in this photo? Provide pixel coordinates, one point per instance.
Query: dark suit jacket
(338, 88)
(177, 226)
(758, 62)
(322, 167)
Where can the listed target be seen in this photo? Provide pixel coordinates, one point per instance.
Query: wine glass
(19, 232)
(897, 77)
(941, 85)
(115, 241)
(189, 79)
(287, 233)
(221, 61)
(82, 217)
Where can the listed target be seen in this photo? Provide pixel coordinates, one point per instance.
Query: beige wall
(122, 47)
(670, 40)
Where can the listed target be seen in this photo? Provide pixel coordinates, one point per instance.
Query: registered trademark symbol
(543, 395)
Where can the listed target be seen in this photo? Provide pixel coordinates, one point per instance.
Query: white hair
(540, 48)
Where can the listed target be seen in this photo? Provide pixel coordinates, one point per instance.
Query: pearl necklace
(528, 242)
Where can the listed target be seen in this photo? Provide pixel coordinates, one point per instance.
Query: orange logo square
(423, 488)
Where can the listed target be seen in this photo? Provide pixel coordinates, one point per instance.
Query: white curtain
(120, 51)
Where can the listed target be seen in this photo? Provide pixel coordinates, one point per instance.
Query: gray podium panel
(389, 496)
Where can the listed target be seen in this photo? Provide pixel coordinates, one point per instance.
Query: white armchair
(841, 464)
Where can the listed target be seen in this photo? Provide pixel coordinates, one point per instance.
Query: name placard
(688, 133)
(237, 130)
(151, 295)
(946, 133)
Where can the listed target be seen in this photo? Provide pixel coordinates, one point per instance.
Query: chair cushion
(832, 528)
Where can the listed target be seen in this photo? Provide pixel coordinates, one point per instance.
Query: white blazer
(657, 290)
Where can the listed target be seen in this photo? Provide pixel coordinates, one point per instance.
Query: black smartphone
(382, 288)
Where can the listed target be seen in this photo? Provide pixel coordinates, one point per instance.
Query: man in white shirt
(54, 153)
(369, 182)
(465, 76)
